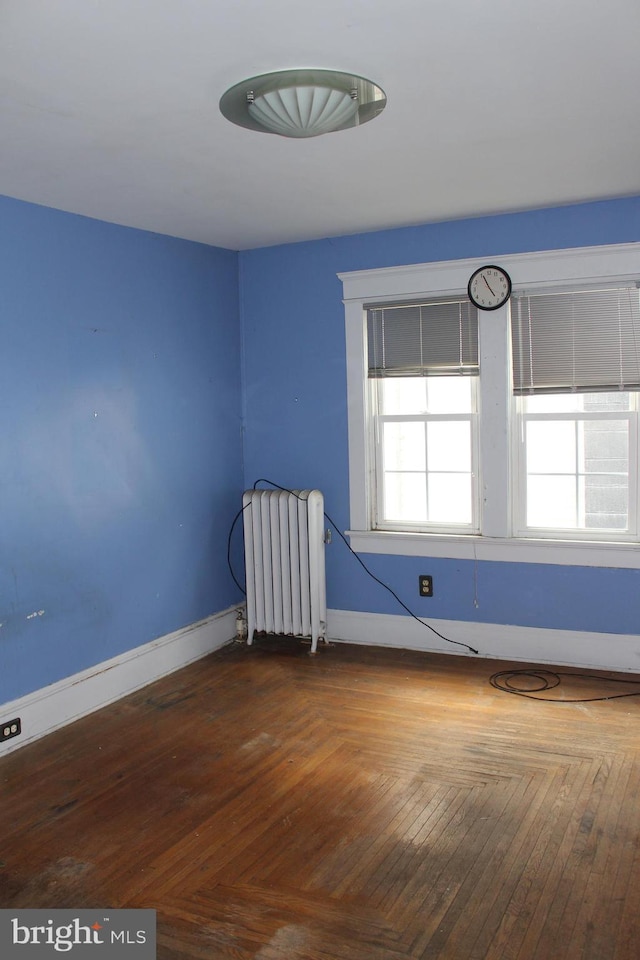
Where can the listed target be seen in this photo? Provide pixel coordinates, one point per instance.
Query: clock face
(489, 287)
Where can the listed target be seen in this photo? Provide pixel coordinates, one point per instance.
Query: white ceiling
(109, 108)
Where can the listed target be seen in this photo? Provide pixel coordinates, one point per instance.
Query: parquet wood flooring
(362, 804)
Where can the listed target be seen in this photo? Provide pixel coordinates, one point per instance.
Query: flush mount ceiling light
(302, 103)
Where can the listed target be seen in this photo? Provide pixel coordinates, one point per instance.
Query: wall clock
(489, 287)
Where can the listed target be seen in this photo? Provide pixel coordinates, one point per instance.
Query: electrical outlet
(12, 728)
(425, 585)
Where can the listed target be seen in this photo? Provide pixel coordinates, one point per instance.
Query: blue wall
(120, 435)
(296, 415)
(121, 465)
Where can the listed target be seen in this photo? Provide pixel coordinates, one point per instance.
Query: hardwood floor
(363, 804)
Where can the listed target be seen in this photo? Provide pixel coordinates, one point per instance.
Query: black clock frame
(489, 266)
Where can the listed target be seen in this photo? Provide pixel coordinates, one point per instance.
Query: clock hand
(487, 283)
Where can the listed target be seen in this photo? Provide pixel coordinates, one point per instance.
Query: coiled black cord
(507, 680)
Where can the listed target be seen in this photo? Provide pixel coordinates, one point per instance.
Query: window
(576, 373)
(577, 459)
(423, 372)
(426, 453)
(510, 434)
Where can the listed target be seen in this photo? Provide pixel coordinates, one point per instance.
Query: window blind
(423, 339)
(576, 341)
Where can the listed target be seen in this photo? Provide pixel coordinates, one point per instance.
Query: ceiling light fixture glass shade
(303, 111)
(303, 103)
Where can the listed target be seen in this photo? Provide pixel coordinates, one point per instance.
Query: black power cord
(352, 551)
(504, 680)
(507, 680)
(229, 564)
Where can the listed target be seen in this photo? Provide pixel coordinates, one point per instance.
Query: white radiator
(284, 563)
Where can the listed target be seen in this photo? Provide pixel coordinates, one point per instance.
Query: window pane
(553, 403)
(405, 497)
(604, 446)
(403, 446)
(605, 485)
(551, 502)
(607, 401)
(449, 446)
(606, 502)
(575, 402)
(450, 498)
(450, 394)
(403, 395)
(551, 446)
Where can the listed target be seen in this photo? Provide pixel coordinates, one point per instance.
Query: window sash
(579, 340)
(377, 422)
(521, 528)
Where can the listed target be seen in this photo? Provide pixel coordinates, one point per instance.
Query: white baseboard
(45, 710)
(602, 651)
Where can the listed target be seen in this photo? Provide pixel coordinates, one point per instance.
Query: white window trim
(533, 271)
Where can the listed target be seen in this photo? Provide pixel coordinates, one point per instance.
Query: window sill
(515, 550)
